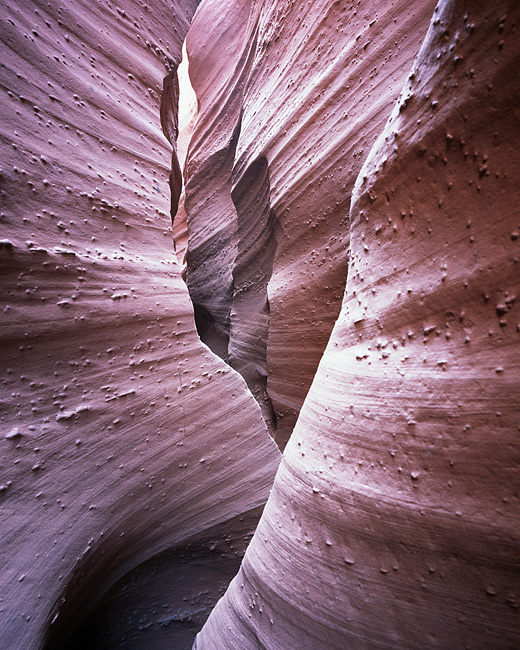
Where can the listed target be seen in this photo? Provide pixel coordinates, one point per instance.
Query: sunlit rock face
(393, 521)
(291, 98)
(123, 436)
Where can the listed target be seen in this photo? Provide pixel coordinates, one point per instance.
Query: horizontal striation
(122, 436)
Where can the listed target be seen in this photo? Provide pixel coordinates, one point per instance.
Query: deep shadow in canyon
(161, 604)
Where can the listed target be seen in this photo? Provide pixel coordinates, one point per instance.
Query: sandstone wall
(353, 169)
(393, 520)
(122, 435)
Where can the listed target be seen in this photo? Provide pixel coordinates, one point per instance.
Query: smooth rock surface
(123, 436)
(393, 520)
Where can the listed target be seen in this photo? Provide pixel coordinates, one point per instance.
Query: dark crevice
(211, 216)
(212, 332)
(227, 273)
(170, 125)
(256, 250)
(209, 277)
(229, 267)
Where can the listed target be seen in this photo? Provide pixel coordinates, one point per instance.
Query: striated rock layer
(291, 98)
(393, 521)
(122, 435)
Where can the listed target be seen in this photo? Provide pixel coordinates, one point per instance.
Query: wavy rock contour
(393, 520)
(122, 435)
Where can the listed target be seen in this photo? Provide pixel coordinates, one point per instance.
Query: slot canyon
(260, 325)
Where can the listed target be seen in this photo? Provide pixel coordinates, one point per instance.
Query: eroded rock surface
(122, 435)
(393, 521)
(291, 100)
(134, 462)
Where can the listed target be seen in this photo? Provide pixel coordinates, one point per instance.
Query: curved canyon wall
(291, 99)
(122, 435)
(393, 520)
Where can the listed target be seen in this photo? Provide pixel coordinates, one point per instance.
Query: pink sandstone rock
(122, 435)
(134, 462)
(393, 520)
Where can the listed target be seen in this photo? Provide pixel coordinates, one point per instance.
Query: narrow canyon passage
(339, 283)
(298, 101)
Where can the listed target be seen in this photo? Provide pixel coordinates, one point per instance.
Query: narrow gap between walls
(187, 111)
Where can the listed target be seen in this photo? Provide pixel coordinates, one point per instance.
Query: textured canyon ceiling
(347, 239)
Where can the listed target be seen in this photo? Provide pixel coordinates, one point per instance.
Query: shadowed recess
(213, 256)
(170, 127)
(160, 604)
(256, 250)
